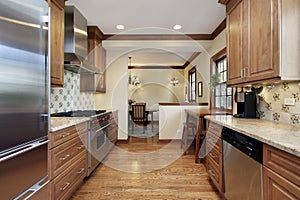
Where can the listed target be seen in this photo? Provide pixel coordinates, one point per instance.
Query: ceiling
(152, 16)
(144, 17)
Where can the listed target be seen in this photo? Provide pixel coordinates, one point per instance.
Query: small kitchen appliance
(246, 104)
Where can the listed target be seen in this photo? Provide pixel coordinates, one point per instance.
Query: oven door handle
(107, 125)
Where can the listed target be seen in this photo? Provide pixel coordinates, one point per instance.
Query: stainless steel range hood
(76, 42)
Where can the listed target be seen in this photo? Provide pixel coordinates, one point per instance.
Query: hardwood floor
(180, 179)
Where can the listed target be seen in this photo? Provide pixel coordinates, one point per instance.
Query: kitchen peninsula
(172, 116)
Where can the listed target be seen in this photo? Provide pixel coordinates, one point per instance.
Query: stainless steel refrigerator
(24, 92)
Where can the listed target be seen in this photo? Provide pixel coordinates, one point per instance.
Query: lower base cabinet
(280, 170)
(281, 175)
(214, 158)
(66, 183)
(67, 164)
(277, 187)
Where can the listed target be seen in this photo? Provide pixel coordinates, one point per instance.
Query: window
(222, 95)
(192, 85)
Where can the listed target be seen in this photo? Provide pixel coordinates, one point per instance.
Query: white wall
(116, 96)
(171, 119)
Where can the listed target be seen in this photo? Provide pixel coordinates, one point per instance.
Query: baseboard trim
(168, 141)
(122, 141)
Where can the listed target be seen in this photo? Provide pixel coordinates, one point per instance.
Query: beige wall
(155, 86)
(116, 94)
(202, 63)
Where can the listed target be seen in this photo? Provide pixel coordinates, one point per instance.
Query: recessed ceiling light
(177, 27)
(120, 27)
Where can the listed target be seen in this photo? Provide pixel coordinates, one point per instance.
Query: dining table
(198, 115)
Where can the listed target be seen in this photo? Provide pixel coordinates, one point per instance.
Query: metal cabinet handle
(80, 147)
(81, 170)
(64, 158)
(211, 173)
(212, 155)
(246, 71)
(65, 187)
(65, 135)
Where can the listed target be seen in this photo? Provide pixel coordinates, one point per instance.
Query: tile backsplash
(69, 97)
(271, 103)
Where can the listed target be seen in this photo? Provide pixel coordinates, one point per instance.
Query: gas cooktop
(78, 113)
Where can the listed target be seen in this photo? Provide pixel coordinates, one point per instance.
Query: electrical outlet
(289, 101)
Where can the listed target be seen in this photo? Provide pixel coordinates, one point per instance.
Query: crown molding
(190, 60)
(211, 36)
(156, 67)
(223, 1)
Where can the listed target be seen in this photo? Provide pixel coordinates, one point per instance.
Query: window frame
(214, 62)
(190, 91)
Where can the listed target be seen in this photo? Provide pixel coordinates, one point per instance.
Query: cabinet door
(235, 42)
(263, 39)
(57, 43)
(101, 78)
(278, 188)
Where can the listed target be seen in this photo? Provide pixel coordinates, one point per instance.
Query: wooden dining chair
(139, 115)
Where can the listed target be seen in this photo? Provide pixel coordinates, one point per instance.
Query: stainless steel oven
(98, 144)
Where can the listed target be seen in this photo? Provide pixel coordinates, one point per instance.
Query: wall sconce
(135, 81)
(174, 81)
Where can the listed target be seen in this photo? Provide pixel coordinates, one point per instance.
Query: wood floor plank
(182, 179)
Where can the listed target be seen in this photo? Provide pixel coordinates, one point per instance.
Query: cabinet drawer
(277, 187)
(61, 136)
(214, 155)
(65, 184)
(63, 155)
(283, 163)
(215, 128)
(214, 140)
(215, 174)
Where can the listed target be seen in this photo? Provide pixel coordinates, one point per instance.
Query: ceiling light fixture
(120, 27)
(174, 81)
(177, 27)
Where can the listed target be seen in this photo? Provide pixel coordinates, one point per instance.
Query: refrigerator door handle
(34, 189)
(21, 150)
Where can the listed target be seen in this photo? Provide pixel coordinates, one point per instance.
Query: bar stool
(188, 138)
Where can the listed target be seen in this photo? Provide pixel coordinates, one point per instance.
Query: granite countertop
(58, 123)
(280, 135)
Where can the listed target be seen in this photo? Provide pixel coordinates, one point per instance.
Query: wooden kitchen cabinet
(57, 42)
(113, 128)
(214, 158)
(235, 43)
(67, 160)
(97, 58)
(263, 40)
(281, 175)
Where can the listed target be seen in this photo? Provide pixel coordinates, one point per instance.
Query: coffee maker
(246, 104)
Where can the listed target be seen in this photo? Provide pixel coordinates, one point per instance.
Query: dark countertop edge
(183, 104)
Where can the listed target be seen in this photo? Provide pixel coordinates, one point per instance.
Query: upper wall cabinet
(57, 42)
(97, 58)
(263, 40)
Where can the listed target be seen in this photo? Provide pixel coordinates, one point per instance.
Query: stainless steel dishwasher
(242, 157)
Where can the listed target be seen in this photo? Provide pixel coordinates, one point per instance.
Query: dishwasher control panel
(250, 146)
